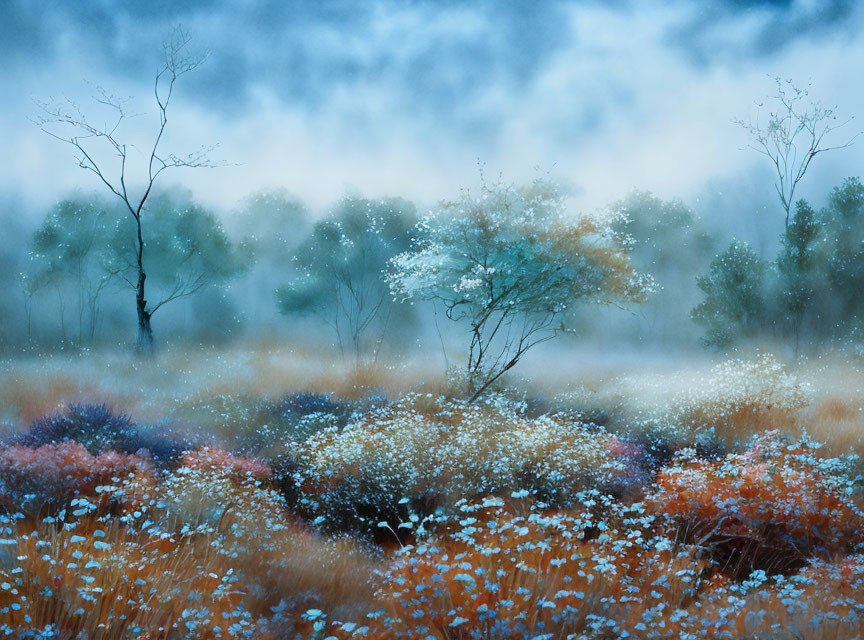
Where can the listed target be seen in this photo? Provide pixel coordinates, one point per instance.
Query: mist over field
(432, 319)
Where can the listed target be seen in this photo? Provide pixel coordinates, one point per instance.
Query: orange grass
(141, 574)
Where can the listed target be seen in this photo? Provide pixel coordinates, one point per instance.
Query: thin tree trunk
(62, 307)
(144, 344)
(491, 381)
(28, 310)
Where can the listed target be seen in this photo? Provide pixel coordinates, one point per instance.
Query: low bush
(302, 404)
(225, 463)
(48, 477)
(95, 426)
(256, 426)
(738, 398)
(713, 412)
(422, 452)
(771, 508)
(163, 445)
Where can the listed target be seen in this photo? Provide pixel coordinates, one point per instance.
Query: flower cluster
(422, 453)
(712, 410)
(224, 462)
(772, 507)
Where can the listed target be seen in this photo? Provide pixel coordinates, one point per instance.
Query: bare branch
(65, 121)
(793, 135)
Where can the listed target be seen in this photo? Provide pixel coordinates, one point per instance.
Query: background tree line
(272, 268)
(507, 265)
(810, 293)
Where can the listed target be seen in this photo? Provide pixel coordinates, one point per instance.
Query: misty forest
(442, 320)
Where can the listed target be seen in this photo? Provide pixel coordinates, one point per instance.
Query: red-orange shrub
(771, 507)
(50, 475)
(224, 462)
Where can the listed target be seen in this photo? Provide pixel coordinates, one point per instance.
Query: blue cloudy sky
(325, 97)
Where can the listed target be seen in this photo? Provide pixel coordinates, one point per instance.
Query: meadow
(431, 320)
(266, 492)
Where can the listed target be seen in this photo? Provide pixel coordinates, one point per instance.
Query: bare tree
(66, 122)
(797, 130)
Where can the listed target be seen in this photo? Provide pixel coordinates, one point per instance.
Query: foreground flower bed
(203, 554)
(425, 518)
(510, 570)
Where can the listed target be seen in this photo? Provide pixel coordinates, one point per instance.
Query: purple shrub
(95, 426)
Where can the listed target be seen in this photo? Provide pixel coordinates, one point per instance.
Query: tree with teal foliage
(510, 263)
(69, 253)
(734, 305)
(671, 243)
(187, 250)
(799, 275)
(340, 272)
(842, 245)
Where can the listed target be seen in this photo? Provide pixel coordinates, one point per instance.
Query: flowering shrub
(421, 453)
(741, 396)
(772, 507)
(51, 475)
(711, 411)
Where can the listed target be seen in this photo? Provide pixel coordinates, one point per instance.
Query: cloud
(737, 31)
(404, 97)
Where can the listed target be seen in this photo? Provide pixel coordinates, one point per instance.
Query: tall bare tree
(66, 122)
(797, 129)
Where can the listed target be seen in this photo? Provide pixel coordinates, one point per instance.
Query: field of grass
(273, 493)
